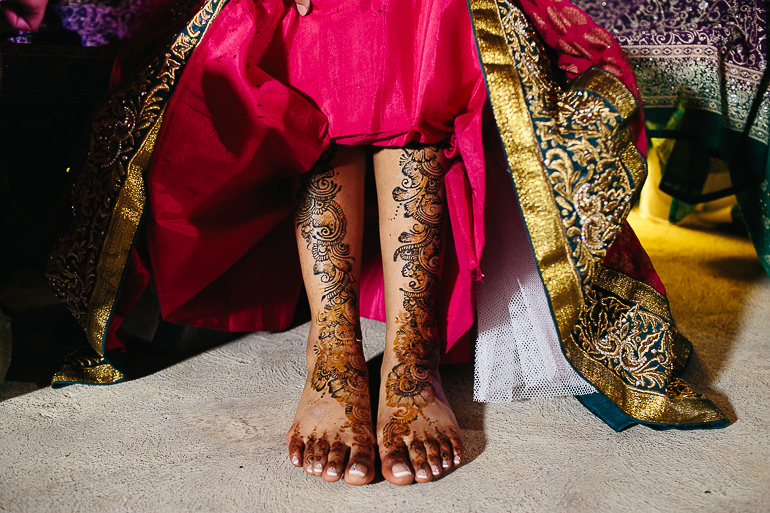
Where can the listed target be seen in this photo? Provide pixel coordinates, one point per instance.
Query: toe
(309, 456)
(321, 456)
(446, 453)
(419, 459)
(335, 462)
(457, 448)
(296, 450)
(433, 451)
(396, 467)
(360, 469)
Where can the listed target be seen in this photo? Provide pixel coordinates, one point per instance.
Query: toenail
(422, 474)
(435, 470)
(319, 467)
(457, 460)
(332, 471)
(358, 470)
(445, 464)
(295, 460)
(401, 470)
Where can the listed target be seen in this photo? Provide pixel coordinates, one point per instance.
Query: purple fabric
(737, 27)
(102, 22)
(714, 51)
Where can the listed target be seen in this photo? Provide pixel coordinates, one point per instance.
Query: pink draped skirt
(262, 96)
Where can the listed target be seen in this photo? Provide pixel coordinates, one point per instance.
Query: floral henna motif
(340, 368)
(409, 386)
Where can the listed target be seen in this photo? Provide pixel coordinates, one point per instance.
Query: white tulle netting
(518, 353)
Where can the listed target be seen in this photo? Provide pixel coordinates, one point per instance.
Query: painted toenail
(319, 467)
(421, 474)
(401, 470)
(295, 460)
(457, 460)
(435, 470)
(445, 464)
(358, 470)
(331, 471)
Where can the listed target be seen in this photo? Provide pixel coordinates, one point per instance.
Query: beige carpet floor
(206, 434)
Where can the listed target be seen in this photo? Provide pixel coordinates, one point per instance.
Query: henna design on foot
(340, 367)
(410, 386)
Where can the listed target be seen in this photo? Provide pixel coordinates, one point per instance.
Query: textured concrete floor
(206, 433)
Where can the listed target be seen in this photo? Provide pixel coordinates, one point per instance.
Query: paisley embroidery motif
(635, 344)
(120, 130)
(578, 131)
(629, 332)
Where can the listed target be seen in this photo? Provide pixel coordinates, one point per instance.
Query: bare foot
(332, 430)
(417, 432)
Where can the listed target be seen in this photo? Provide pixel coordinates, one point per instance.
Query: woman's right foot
(332, 432)
(332, 436)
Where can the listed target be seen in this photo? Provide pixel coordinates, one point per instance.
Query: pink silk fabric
(267, 92)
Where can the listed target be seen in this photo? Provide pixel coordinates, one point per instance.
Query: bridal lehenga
(184, 195)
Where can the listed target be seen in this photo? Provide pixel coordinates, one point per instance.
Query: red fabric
(580, 44)
(629, 257)
(220, 239)
(263, 96)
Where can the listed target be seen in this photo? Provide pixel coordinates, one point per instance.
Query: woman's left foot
(417, 432)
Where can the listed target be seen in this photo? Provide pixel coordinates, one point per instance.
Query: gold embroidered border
(608, 86)
(644, 387)
(678, 404)
(633, 290)
(566, 271)
(127, 214)
(630, 157)
(525, 161)
(96, 371)
(88, 264)
(650, 299)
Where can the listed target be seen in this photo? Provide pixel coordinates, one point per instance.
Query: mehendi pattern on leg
(340, 367)
(409, 386)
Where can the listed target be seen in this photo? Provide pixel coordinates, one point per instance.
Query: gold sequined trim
(108, 200)
(119, 239)
(626, 344)
(87, 370)
(569, 150)
(525, 161)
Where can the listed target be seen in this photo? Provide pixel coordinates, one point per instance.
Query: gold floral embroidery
(578, 134)
(627, 345)
(106, 202)
(575, 170)
(633, 343)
